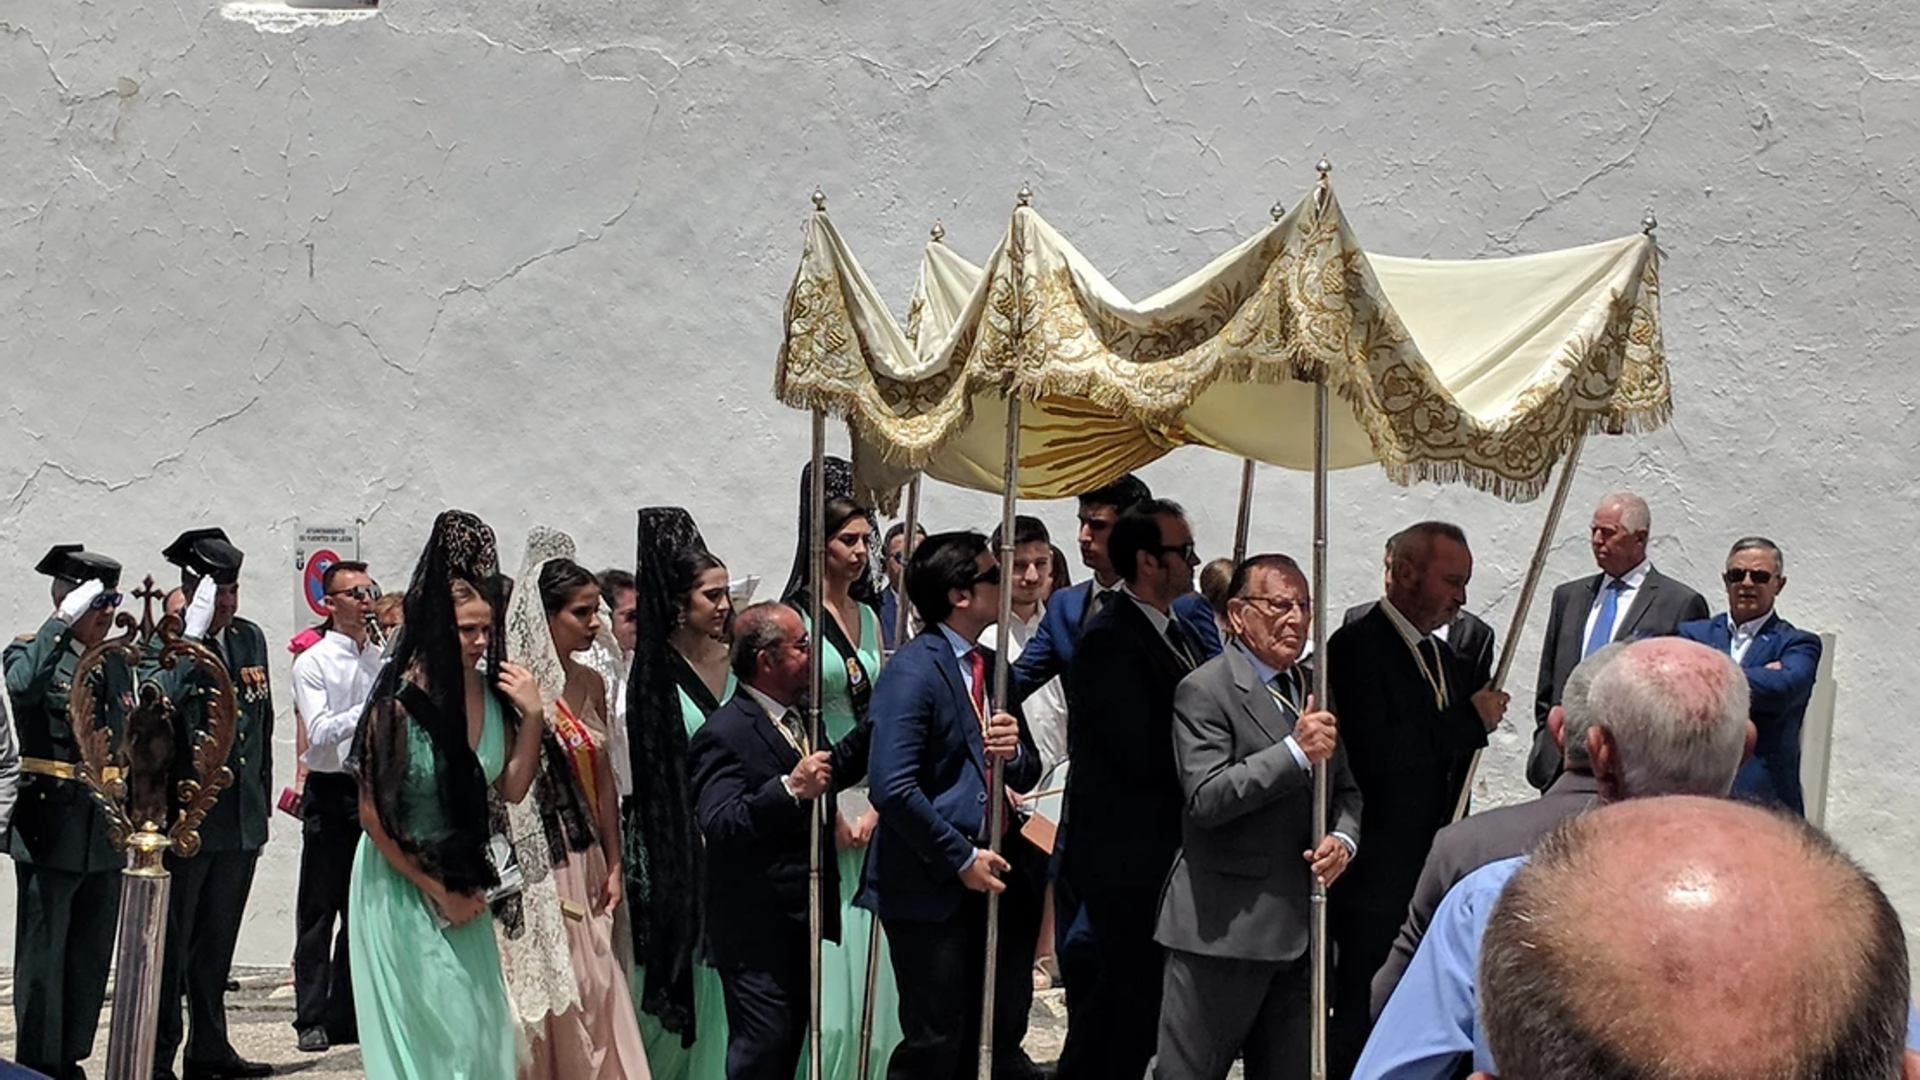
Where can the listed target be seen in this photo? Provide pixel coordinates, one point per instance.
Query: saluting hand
(518, 684)
(983, 873)
(1316, 733)
(1491, 704)
(1002, 736)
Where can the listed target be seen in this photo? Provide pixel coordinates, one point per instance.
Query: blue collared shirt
(1431, 1017)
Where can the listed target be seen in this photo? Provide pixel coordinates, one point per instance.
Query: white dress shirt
(331, 683)
(1266, 674)
(1743, 635)
(1045, 708)
(1634, 578)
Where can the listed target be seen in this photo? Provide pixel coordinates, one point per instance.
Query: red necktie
(977, 665)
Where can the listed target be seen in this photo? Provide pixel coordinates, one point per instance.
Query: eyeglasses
(1736, 575)
(1275, 606)
(989, 576)
(105, 601)
(1185, 551)
(363, 593)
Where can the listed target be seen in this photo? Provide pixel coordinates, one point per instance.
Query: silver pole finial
(1026, 195)
(1649, 223)
(1324, 168)
(1279, 210)
(819, 199)
(939, 232)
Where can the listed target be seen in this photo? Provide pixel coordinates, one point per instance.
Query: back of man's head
(1669, 718)
(1576, 704)
(1693, 939)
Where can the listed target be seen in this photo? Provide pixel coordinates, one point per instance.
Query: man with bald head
(1625, 947)
(1669, 718)
(1627, 600)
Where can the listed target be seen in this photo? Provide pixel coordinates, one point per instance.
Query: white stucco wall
(527, 258)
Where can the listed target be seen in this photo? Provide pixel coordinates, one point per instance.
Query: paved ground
(261, 1020)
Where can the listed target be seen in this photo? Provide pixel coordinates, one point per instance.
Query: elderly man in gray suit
(1233, 916)
(1473, 842)
(1627, 599)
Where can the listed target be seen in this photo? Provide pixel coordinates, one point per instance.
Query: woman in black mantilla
(851, 646)
(679, 678)
(450, 735)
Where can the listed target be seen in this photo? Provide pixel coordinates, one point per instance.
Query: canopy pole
(1243, 524)
(861, 1066)
(1527, 588)
(817, 575)
(1317, 950)
(996, 784)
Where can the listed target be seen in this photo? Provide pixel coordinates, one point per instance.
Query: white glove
(199, 614)
(80, 600)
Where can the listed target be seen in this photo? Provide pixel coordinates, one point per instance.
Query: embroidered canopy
(1481, 371)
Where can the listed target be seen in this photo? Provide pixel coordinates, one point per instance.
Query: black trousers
(766, 1017)
(1112, 1023)
(322, 975)
(1362, 941)
(63, 946)
(208, 897)
(938, 968)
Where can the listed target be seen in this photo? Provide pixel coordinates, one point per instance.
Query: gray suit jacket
(1239, 887)
(1466, 846)
(1660, 605)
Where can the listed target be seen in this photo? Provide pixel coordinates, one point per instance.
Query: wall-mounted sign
(316, 546)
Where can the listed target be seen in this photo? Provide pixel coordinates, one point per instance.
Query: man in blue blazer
(928, 869)
(1780, 661)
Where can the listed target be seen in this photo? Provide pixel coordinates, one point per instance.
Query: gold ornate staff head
(131, 767)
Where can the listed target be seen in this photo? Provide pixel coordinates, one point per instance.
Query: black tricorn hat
(206, 553)
(74, 563)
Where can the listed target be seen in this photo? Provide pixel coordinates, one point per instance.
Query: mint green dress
(431, 1002)
(843, 967)
(707, 1058)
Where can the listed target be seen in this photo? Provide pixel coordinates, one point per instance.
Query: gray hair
(1634, 515)
(1677, 711)
(755, 630)
(1576, 703)
(1544, 1018)
(1413, 546)
(1760, 543)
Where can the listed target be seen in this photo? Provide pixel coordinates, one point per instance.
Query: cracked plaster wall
(526, 258)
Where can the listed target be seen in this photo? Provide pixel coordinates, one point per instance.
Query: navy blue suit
(1779, 705)
(1050, 650)
(927, 776)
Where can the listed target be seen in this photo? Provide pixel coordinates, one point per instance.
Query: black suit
(1468, 635)
(1124, 819)
(1410, 757)
(755, 892)
(1659, 606)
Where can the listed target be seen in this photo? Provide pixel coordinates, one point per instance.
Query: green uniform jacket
(56, 823)
(238, 820)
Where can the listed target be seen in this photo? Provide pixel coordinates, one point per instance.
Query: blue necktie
(1609, 612)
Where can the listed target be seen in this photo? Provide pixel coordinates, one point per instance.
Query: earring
(679, 619)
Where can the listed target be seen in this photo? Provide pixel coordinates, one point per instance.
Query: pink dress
(599, 1040)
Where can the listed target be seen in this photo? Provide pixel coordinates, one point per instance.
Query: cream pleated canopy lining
(1481, 371)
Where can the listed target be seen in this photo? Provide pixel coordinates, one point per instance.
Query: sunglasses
(1185, 551)
(362, 593)
(989, 576)
(1736, 576)
(105, 601)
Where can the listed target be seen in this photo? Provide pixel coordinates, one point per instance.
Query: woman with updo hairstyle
(680, 676)
(850, 643)
(565, 975)
(450, 735)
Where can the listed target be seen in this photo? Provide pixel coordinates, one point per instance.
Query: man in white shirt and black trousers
(331, 682)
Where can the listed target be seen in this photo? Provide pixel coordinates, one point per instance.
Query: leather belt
(65, 770)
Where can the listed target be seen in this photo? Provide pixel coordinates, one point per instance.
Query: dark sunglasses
(362, 593)
(1185, 551)
(105, 601)
(1736, 576)
(989, 576)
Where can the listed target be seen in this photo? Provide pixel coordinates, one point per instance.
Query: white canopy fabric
(1480, 371)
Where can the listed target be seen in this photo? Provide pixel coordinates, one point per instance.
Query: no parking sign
(316, 547)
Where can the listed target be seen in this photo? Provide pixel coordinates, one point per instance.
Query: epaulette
(23, 638)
